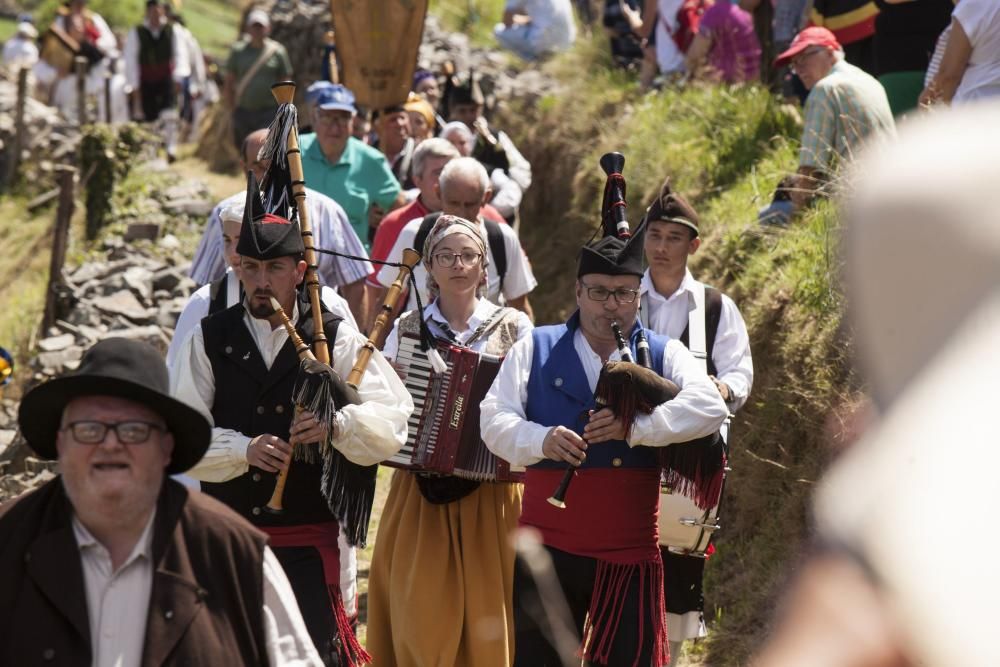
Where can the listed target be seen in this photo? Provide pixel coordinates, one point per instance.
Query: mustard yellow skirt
(442, 578)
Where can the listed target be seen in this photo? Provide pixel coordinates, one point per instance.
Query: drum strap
(270, 48)
(696, 327)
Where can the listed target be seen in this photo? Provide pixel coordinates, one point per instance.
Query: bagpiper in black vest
(253, 400)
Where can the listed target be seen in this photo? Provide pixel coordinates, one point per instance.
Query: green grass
(214, 24)
(474, 18)
(7, 28)
(24, 276)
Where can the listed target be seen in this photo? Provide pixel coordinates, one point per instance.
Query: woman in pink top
(727, 41)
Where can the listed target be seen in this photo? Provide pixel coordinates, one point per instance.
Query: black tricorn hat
(613, 256)
(122, 368)
(266, 235)
(465, 92)
(671, 207)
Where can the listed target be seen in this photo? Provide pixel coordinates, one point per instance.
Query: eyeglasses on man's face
(622, 294)
(92, 432)
(333, 118)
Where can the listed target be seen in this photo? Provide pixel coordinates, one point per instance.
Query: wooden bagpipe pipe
(348, 488)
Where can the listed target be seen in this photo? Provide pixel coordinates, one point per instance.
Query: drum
(59, 49)
(685, 528)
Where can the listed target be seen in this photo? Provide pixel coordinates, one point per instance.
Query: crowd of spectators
(154, 72)
(854, 66)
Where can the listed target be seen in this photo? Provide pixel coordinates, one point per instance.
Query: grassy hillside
(725, 149)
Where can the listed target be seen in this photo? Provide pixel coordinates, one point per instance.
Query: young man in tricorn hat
(113, 563)
(541, 413)
(240, 367)
(670, 300)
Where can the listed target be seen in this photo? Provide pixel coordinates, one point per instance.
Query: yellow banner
(377, 44)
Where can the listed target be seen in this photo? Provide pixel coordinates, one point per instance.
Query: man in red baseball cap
(845, 107)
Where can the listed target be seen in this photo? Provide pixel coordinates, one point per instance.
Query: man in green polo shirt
(348, 171)
(254, 63)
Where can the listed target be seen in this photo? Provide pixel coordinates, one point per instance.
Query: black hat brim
(41, 409)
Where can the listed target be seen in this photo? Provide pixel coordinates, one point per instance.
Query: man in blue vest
(540, 413)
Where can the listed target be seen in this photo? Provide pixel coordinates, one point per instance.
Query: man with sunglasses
(846, 107)
(114, 563)
(540, 413)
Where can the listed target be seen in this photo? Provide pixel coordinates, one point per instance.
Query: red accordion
(443, 435)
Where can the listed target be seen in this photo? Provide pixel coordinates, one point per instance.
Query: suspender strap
(696, 327)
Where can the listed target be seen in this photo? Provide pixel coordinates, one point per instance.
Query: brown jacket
(206, 604)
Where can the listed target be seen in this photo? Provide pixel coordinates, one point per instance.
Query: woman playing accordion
(443, 568)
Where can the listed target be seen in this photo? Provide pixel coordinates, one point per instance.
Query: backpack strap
(219, 290)
(426, 225)
(696, 327)
(494, 238)
(703, 325)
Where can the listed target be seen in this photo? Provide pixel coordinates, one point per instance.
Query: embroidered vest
(499, 339)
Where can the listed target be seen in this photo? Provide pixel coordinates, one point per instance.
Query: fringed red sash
(610, 588)
(610, 516)
(696, 469)
(323, 537)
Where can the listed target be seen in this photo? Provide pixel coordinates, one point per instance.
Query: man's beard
(261, 311)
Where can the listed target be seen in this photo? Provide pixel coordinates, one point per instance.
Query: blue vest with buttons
(559, 394)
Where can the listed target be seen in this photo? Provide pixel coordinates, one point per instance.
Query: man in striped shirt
(331, 230)
(846, 106)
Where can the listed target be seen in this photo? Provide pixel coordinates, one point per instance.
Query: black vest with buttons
(253, 400)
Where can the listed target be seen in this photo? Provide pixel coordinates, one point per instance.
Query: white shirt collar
(262, 326)
(483, 311)
(647, 288)
(143, 547)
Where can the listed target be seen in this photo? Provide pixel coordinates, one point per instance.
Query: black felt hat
(613, 256)
(122, 368)
(671, 207)
(465, 92)
(267, 235)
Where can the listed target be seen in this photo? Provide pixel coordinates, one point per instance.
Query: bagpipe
(691, 471)
(348, 488)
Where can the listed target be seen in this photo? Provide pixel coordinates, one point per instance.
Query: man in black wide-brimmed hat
(112, 563)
